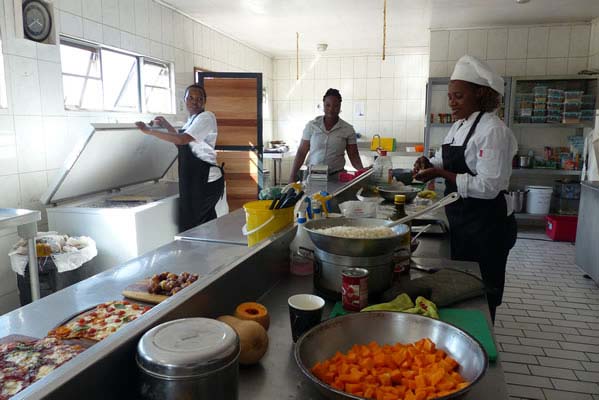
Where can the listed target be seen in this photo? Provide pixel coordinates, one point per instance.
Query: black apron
(480, 229)
(197, 197)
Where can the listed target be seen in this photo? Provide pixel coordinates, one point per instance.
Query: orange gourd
(253, 312)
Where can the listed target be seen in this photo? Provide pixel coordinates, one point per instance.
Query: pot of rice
(355, 237)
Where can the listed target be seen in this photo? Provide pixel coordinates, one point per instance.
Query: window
(3, 100)
(97, 78)
(157, 86)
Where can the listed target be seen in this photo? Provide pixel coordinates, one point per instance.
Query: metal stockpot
(192, 358)
(518, 198)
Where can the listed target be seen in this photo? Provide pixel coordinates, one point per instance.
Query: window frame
(140, 86)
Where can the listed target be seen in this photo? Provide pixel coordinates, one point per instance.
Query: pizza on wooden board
(24, 362)
(100, 322)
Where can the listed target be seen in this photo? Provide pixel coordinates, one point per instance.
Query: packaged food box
(539, 113)
(551, 106)
(538, 120)
(539, 105)
(588, 99)
(540, 90)
(573, 95)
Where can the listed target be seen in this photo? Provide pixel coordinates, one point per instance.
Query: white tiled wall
(390, 93)
(516, 51)
(36, 133)
(594, 45)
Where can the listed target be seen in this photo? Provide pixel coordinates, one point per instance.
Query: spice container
(189, 358)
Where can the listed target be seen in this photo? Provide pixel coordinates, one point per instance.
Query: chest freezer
(109, 189)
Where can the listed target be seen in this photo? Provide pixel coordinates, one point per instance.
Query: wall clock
(37, 20)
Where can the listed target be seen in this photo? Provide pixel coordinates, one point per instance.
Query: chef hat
(471, 69)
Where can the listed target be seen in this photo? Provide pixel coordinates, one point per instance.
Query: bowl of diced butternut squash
(390, 356)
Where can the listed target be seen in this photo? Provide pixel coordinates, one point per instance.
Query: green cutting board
(473, 322)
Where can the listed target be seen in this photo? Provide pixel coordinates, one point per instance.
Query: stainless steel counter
(591, 184)
(226, 229)
(277, 376)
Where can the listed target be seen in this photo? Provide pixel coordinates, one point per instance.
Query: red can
(354, 288)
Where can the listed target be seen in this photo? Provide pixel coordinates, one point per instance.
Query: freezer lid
(111, 156)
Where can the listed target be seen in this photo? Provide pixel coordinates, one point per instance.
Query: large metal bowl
(388, 192)
(354, 247)
(385, 327)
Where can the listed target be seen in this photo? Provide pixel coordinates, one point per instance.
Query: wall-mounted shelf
(544, 171)
(530, 217)
(531, 125)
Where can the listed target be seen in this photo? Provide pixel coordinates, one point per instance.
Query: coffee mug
(305, 312)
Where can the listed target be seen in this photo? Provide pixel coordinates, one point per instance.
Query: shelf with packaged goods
(547, 125)
(544, 171)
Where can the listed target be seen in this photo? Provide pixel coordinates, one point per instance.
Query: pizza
(99, 323)
(168, 283)
(24, 362)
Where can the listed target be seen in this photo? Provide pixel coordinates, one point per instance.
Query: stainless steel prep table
(278, 375)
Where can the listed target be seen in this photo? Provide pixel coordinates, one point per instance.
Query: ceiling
(356, 25)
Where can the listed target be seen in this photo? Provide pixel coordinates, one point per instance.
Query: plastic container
(525, 112)
(539, 119)
(380, 169)
(555, 95)
(538, 199)
(561, 227)
(567, 190)
(571, 118)
(553, 106)
(301, 248)
(261, 222)
(572, 106)
(539, 106)
(573, 95)
(539, 113)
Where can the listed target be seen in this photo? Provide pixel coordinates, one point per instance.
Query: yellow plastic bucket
(260, 222)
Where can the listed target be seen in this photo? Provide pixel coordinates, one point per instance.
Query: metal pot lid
(187, 347)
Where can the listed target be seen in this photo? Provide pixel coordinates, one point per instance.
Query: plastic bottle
(316, 210)
(381, 167)
(300, 256)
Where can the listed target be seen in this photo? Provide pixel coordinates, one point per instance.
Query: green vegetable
(80, 328)
(118, 305)
(400, 303)
(403, 303)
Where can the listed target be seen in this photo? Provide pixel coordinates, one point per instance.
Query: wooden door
(236, 100)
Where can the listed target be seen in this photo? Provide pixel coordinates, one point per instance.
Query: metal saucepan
(388, 192)
(341, 333)
(366, 247)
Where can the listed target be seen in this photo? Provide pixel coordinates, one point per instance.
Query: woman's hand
(421, 163)
(143, 127)
(161, 122)
(425, 175)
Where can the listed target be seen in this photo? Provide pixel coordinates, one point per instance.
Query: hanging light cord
(384, 27)
(297, 56)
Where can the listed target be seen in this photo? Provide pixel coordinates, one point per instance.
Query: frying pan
(366, 247)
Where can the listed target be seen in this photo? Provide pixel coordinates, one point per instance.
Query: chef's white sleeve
(494, 153)
(202, 126)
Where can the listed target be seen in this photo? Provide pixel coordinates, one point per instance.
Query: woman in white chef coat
(201, 180)
(327, 138)
(476, 161)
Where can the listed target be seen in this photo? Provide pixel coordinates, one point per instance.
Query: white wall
(514, 51)
(36, 133)
(594, 45)
(391, 93)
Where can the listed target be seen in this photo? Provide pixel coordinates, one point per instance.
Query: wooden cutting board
(139, 291)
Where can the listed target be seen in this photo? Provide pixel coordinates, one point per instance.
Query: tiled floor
(548, 325)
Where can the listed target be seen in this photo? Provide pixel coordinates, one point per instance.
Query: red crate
(562, 227)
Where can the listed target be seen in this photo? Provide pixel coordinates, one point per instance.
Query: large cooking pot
(388, 192)
(341, 333)
(366, 247)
